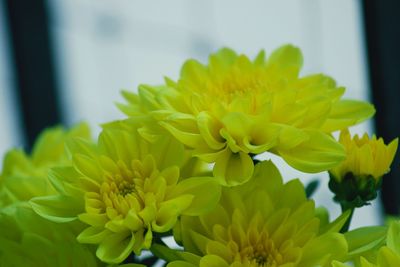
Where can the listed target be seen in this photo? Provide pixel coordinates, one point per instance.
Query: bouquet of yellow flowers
(183, 165)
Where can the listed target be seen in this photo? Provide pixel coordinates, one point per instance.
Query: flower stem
(346, 226)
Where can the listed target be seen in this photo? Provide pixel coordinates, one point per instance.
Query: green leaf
(364, 239)
(337, 224)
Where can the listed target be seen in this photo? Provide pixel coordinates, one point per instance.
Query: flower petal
(319, 153)
(58, 208)
(213, 261)
(116, 247)
(346, 113)
(233, 169)
(205, 191)
(93, 235)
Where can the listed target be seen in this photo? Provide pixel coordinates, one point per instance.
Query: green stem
(346, 226)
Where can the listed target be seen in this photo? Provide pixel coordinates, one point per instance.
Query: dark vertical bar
(33, 65)
(382, 28)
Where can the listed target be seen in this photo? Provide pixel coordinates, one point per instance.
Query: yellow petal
(205, 191)
(233, 169)
(346, 113)
(319, 153)
(57, 208)
(116, 247)
(213, 261)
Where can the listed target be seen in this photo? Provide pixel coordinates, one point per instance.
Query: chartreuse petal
(27, 239)
(181, 264)
(318, 248)
(195, 70)
(209, 128)
(168, 152)
(93, 235)
(213, 261)
(65, 180)
(388, 257)
(318, 153)
(59, 208)
(374, 246)
(222, 60)
(287, 59)
(393, 237)
(365, 263)
(169, 210)
(233, 169)
(263, 138)
(291, 137)
(125, 189)
(263, 220)
(346, 113)
(191, 139)
(205, 192)
(251, 107)
(50, 144)
(25, 176)
(340, 264)
(116, 247)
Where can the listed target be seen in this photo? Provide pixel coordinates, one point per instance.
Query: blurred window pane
(9, 119)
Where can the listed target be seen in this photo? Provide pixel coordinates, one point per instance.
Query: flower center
(126, 187)
(252, 246)
(263, 253)
(235, 85)
(260, 260)
(119, 190)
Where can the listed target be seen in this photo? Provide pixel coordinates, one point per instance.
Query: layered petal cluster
(261, 223)
(25, 176)
(235, 107)
(365, 156)
(28, 240)
(387, 256)
(125, 189)
(357, 179)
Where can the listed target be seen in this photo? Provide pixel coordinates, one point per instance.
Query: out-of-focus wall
(9, 125)
(105, 46)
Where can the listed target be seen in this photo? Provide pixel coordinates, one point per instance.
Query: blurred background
(62, 61)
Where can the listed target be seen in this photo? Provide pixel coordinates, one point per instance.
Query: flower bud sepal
(354, 191)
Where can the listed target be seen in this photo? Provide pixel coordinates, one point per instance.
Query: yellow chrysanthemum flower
(260, 223)
(234, 107)
(125, 189)
(365, 156)
(388, 255)
(356, 180)
(28, 240)
(149, 130)
(25, 176)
